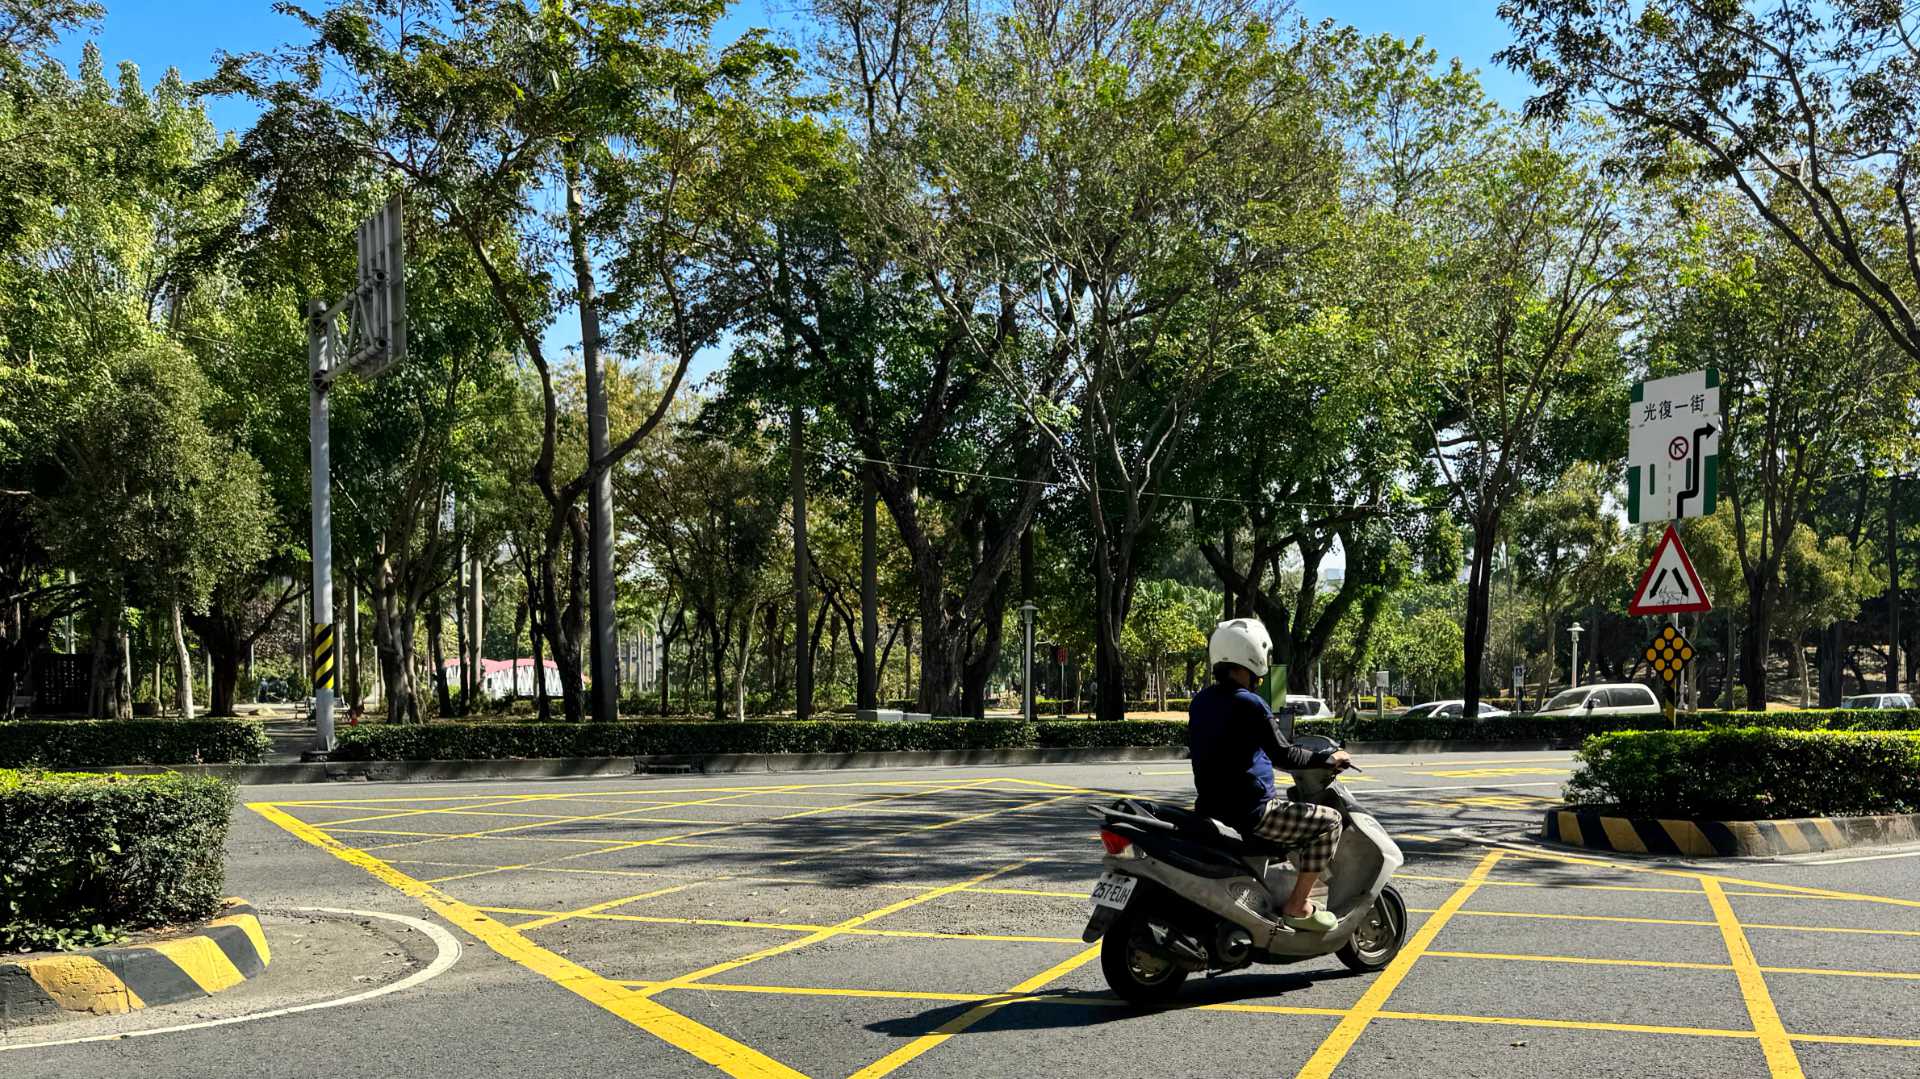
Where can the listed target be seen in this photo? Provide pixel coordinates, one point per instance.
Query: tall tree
(1803, 381)
(1532, 269)
(654, 138)
(1810, 109)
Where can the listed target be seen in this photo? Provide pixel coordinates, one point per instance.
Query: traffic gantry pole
(376, 310)
(320, 644)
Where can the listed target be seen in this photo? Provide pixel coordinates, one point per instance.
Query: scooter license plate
(1113, 890)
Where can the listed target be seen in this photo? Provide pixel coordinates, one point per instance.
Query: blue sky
(189, 34)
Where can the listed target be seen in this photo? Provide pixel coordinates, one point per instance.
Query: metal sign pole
(1026, 661)
(321, 642)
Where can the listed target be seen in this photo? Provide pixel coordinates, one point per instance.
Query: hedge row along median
(495, 741)
(83, 857)
(1573, 728)
(93, 743)
(1750, 773)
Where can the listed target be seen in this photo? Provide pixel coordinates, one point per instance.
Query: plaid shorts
(1309, 832)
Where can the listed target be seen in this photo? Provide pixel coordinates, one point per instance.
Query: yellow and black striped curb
(1597, 830)
(106, 981)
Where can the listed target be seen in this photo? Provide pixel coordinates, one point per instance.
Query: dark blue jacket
(1234, 744)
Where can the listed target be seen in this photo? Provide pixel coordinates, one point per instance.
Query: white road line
(448, 955)
(1862, 858)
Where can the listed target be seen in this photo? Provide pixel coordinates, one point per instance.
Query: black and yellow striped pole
(322, 657)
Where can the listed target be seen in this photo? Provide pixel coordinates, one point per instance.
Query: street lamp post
(1574, 631)
(1026, 660)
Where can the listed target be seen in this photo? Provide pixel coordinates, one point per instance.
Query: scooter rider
(1234, 744)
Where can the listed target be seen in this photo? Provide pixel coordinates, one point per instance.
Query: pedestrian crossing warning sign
(1670, 585)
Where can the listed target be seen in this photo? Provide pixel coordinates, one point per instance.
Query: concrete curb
(107, 981)
(1596, 830)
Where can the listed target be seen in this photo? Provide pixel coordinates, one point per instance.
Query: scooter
(1183, 893)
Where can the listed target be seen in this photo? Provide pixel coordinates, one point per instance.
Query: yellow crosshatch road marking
(508, 929)
(835, 930)
(1781, 1059)
(1668, 921)
(886, 1065)
(1581, 960)
(780, 927)
(1284, 1009)
(677, 1030)
(516, 831)
(1334, 1049)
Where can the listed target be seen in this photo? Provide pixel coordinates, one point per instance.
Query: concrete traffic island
(1603, 828)
(189, 965)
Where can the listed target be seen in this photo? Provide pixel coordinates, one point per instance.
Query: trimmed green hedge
(1750, 773)
(488, 741)
(1094, 734)
(84, 858)
(1573, 728)
(496, 740)
(94, 743)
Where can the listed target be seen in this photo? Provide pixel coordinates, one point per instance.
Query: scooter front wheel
(1379, 935)
(1134, 972)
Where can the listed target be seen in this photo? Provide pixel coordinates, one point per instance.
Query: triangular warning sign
(1670, 586)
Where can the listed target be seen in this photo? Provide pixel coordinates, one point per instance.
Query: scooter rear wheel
(1134, 972)
(1380, 934)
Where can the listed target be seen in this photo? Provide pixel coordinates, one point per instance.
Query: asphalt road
(926, 922)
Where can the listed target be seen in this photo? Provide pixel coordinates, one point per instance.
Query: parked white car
(1452, 709)
(1878, 700)
(1605, 699)
(1308, 707)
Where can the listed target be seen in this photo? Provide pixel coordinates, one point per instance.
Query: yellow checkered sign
(1669, 652)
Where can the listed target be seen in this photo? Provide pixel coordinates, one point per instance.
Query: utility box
(879, 715)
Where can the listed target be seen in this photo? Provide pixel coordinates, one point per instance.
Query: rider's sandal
(1319, 920)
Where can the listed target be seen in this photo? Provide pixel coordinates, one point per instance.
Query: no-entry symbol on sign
(1677, 449)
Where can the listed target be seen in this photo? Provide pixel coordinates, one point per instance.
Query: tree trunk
(460, 643)
(107, 694)
(1802, 672)
(740, 668)
(356, 689)
(1893, 587)
(1758, 644)
(717, 671)
(437, 650)
(183, 665)
(1833, 654)
(1479, 588)
(519, 624)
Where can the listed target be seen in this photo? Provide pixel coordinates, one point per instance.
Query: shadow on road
(1057, 1010)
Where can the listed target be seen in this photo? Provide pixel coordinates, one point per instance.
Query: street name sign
(1673, 447)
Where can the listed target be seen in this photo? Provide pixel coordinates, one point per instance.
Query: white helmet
(1243, 641)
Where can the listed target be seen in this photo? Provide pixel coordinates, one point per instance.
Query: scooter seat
(1216, 834)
